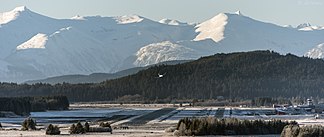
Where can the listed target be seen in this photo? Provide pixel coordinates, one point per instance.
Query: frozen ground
(140, 120)
(64, 132)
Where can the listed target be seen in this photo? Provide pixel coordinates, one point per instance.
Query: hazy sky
(280, 12)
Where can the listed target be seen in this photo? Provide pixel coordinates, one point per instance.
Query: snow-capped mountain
(317, 52)
(308, 27)
(34, 46)
(212, 29)
(19, 25)
(242, 33)
(303, 25)
(172, 22)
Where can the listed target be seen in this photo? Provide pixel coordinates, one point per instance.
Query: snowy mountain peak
(126, 19)
(212, 29)
(308, 27)
(238, 13)
(311, 28)
(13, 14)
(300, 26)
(78, 17)
(21, 8)
(171, 22)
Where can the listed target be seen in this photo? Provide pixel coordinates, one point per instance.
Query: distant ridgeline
(235, 75)
(25, 105)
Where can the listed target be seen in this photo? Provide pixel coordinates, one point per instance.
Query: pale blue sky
(280, 12)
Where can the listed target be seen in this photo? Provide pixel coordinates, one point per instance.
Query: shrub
(104, 124)
(52, 130)
(176, 133)
(77, 129)
(100, 129)
(305, 131)
(170, 129)
(86, 127)
(72, 129)
(229, 126)
(29, 124)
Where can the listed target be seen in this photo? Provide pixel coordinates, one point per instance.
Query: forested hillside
(235, 75)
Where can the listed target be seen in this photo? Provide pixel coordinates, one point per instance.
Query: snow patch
(160, 52)
(126, 19)
(303, 25)
(317, 52)
(78, 17)
(212, 29)
(238, 13)
(21, 8)
(308, 27)
(171, 22)
(36, 42)
(11, 15)
(288, 26)
(311, 28)
(61, 30)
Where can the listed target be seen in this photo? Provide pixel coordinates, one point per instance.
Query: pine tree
(29, 124)
(86, 127)
(105, 124)
(79, 128)
(72, 129)
(52, 130)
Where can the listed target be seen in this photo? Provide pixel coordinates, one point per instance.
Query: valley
(122, 69)
(141, 119)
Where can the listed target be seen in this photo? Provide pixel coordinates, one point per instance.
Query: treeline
(303, 131)
(229, 126)
(48, 103)
(236, 75)
(18, 106)
(25, 105)
(267, 101)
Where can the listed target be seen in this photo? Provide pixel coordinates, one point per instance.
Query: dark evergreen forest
(236, 75)
(25, 105)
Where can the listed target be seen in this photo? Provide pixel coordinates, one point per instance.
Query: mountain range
(34, 46)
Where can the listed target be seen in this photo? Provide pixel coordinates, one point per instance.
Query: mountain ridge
(35, 46)
(98, 77)
(240, 75)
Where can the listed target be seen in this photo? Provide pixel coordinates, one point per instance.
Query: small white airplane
(161, 75)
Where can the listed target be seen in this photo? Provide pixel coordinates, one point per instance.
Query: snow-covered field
(125, 115)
